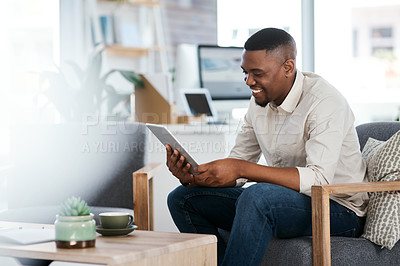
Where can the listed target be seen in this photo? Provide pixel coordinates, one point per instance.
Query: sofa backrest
(377, 130)
(93, 161)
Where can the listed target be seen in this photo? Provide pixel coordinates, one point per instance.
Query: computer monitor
(220, 72)
(198, 101)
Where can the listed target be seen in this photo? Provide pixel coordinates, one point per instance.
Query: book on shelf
(107, 29)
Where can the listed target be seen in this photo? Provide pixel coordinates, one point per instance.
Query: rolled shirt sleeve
(329, 124)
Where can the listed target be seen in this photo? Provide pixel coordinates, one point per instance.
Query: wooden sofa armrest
(320, 213)
(143, 196)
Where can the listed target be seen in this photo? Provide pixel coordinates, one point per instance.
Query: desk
(138, 248)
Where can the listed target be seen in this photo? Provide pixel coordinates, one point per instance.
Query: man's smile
(256, 91)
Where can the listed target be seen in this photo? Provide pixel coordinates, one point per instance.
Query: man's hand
(176, 165)
(220, 173)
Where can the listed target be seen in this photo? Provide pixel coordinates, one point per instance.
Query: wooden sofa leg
(143, 196)
(320, 226)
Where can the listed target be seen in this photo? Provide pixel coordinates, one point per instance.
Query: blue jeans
(253, 215)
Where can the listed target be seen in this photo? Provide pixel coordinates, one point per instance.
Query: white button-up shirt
(312, 130)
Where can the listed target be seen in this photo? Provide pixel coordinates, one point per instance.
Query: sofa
(93, 160)
(344, 251)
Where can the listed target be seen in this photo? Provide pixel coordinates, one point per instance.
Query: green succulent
(74, 207)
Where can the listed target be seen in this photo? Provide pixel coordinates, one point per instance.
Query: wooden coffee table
(138, 248)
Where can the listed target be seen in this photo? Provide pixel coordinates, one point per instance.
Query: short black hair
(269, 39)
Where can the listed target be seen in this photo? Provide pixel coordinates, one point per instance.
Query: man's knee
(175, 196)
(261, 193)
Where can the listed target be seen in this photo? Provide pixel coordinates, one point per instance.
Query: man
(305, 129)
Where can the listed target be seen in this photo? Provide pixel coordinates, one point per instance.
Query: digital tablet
(166, 137)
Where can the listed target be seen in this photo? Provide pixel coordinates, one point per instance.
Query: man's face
(265, 75)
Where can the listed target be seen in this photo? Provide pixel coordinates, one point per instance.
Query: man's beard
(263, 103)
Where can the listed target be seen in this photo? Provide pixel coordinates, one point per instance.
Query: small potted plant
(74, 225)
(90, 91)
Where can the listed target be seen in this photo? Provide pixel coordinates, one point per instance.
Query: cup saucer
(115, 232)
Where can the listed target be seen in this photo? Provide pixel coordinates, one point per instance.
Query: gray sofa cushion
(377, 130)
(345, 251)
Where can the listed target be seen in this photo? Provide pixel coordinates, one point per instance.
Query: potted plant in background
(74, 225)
(91, 93)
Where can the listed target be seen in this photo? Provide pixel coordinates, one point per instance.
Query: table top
(108, 250)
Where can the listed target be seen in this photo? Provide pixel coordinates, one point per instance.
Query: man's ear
(289, 66)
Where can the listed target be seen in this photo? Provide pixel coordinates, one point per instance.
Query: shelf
(134, 3)
(147, 12)
(120, 50)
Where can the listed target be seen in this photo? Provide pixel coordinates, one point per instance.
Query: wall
(191, 21)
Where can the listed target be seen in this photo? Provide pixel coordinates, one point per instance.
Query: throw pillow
(370, 148)
(383, 216)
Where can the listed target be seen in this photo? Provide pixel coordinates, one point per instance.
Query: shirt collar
(292, 99)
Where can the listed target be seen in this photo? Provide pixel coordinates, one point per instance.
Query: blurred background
(354, 44)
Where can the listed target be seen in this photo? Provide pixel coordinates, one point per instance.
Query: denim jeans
(253, 215)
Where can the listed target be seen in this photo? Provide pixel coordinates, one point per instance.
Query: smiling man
(305, 130)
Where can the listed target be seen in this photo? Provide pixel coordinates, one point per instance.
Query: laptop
(26, 236)
(198, 102)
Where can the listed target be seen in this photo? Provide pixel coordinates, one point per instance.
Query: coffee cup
(115, 220)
